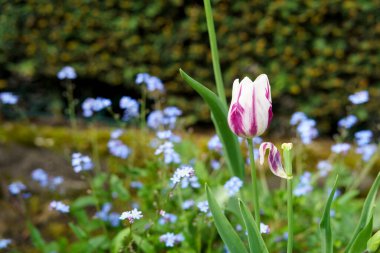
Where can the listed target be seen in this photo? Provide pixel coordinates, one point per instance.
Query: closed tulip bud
(250, 112)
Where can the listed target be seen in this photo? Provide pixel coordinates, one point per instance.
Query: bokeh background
(315, 53)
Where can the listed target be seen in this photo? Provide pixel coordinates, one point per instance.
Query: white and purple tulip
(274, 159)
(250, 112)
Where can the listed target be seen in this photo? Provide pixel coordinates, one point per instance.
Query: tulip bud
(250, 112)
(274, 159)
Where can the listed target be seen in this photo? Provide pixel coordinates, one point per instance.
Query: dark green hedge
(314, 52)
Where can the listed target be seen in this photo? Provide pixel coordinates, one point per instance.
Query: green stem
(254, 183)
(214, 52)
(289, 170)
(290, 215)
(71, 104)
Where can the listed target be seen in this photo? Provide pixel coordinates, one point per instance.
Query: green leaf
(118, 187)
(373, 243)
(360, 243)
(256, 242)
(366, 212)
(325, 226)
(98, 242)
(219, 112)
(118, 242)
(36, 237)
(83, 202)
(225, 229)
(143, 244)
(79, 233)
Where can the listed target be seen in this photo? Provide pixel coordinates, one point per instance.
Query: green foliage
(219, 113)
(314, 52)
(325, 224)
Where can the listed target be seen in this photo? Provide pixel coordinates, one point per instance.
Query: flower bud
(250, 112)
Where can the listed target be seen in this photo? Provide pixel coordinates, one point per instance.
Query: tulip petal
(274, 159)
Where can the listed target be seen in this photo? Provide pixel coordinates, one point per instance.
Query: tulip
(250, 112)
(274, 159)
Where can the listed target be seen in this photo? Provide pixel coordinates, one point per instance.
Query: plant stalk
(289, 170)
(254, 183)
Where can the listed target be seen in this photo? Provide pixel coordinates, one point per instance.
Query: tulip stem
(214, 52)
(289, 171)
(254, 183)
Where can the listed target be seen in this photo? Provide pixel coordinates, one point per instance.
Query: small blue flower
(182, 173)
(340, 148)
(154, 120)
(41, 177)
(359, 97)
(367, 151)
(115, 134)
(167, 218)
(233, 186)
(118, 149)
(81, 162)
(67, 72)
(203, 206)
(91, 105)
(59, 206)
(170, 156)
(307, 131)
(304, 186)
(348, 121)
(130, 106)
(136, 185)
(8, 98)
(187, 204)
(363, 137)
(170, 239)
(215, 164)
(191, 181)
(297, 117)
(4, 243)
(16, 188)
(153, 83)
(324, 168)
(215, 144)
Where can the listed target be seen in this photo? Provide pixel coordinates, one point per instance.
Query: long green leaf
(230, 142)
(366, 212)
(225, 229)
(117, 244)
(79, 232)
(36, 237)
(325, 227)
(255, 240)
(360, 243)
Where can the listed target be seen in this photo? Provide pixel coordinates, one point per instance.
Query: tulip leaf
(255, 240)
(366, 214)
(360, 243)
(325, 226)
(224, 227)
(373, 244)
(219, 112)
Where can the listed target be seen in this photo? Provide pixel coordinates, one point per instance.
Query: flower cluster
(105, 215)
(116, 147)
(233, 186)
(214, 144)
(67, 72)
(153, 83)
(187, 204)
(305, 127)
(340, 148)
(348, 121)
(59, 206)
(81, 162)
(42, 178)
(8, 98)
(170, 155)
(324, 168)
(359, 97)
(130, 106)
(167, 218)
(304, 186)
(16, 188)
(4, 243)
(170, 239)
(92, 105)
(165, 118)
(182, 172)
(131, 216)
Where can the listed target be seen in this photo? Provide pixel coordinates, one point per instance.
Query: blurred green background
(315, 53)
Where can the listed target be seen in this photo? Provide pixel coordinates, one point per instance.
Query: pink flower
(251, 107)
(274, 159)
